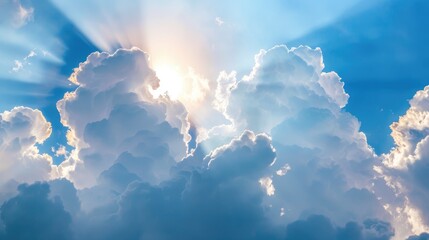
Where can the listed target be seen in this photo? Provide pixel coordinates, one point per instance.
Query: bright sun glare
(171, 81)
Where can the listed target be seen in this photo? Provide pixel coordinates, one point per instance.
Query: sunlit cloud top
(214, 120)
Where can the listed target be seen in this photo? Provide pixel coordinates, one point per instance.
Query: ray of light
(207, 36)
(204, 36)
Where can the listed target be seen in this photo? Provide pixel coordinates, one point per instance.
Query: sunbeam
(214, 120)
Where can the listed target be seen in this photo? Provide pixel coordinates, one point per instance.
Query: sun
(171, 80)
(185, 86)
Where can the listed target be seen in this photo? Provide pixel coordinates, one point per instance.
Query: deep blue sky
(381, 53)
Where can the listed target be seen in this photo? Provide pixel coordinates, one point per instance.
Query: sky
(278, 119)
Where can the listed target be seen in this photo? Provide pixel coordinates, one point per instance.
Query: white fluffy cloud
(282, 83)
(291, 158)
(21, 129)
(329, 162)
(220, 200)
(410, 133)
(113, 118)
(407, 165)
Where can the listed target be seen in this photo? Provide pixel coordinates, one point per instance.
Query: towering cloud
(127, 142)
(282, 83)
(324, 164)
(291, 164)
(113, 118)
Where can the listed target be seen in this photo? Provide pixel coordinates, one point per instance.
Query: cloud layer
(287, 162)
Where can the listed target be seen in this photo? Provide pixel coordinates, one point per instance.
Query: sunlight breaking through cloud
(193, 120)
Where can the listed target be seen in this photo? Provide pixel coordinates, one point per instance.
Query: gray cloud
(222, 200)
(32, 215)
(321, 228)
(423, 236)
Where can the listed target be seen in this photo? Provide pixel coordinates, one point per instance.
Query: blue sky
(143, 117)
(398, 77)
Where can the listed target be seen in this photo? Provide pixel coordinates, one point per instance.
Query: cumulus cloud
(255, 152)
(21, 129)
(410, 133)
(407, 165)
(113, 118)
(65, 190)
(32, 215)
(324, 164)
(423, 236)
(320, 227)
(280, 156)
(220, 200)
(60, 151)
(283, 81)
